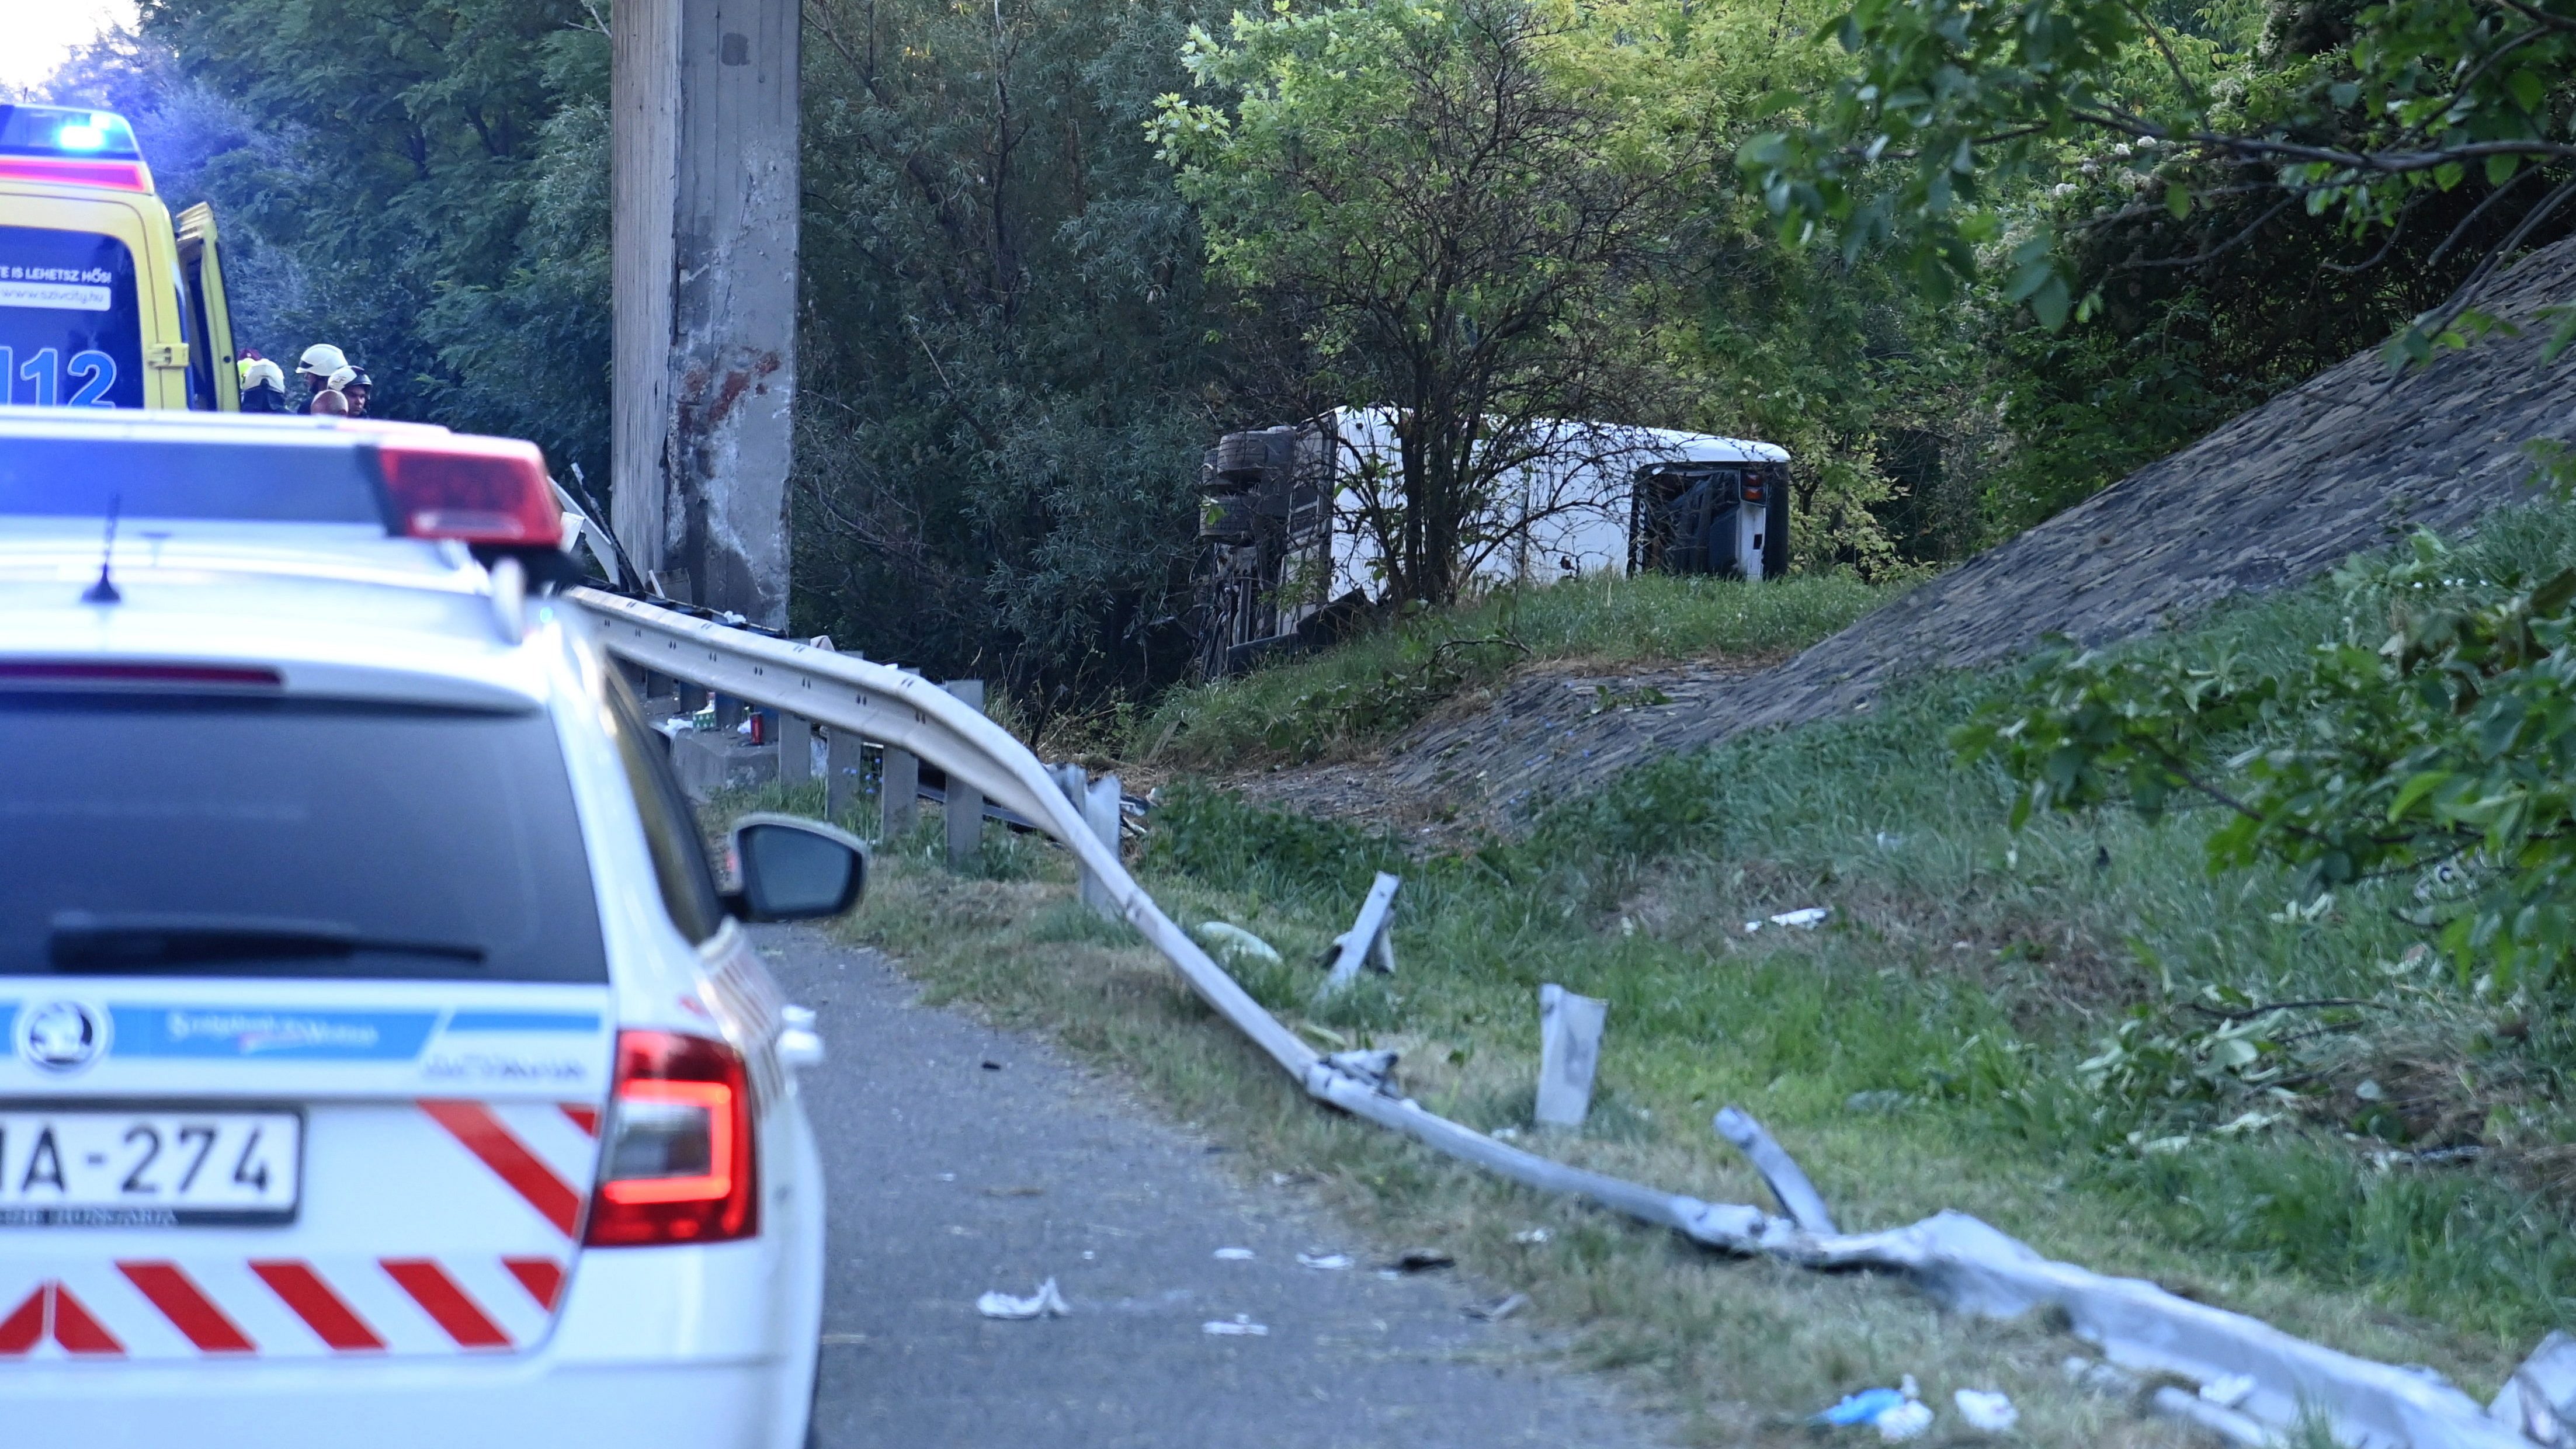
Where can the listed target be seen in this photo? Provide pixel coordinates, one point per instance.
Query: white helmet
(322, 359)
(341, 379)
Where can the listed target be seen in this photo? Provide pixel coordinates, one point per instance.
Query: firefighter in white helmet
(314, 370)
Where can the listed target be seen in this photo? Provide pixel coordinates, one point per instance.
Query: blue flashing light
(59, 131)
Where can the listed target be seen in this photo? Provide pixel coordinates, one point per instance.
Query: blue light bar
(66, 131)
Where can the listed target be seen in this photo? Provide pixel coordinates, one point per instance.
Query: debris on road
(1327, 1262)
(1987, 1410)
(1242, 1326)
(1422, 1260)
(1045, 1303)
(1235, 1255)
(1499, 1309)
(1236, 945)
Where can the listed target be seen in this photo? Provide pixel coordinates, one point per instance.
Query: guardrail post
(1569, 1049)
(795, 749)
(898, 792)
(1100, 811)
(843, 769)
(965, 803)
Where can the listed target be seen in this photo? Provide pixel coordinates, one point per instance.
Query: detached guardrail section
(1956, 1259)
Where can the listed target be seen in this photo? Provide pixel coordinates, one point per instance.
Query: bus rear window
(71, 324)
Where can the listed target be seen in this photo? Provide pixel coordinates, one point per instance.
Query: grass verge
(1369, 690)
(2048, 1029)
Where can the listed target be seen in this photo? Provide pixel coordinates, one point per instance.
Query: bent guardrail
(1958, 1260)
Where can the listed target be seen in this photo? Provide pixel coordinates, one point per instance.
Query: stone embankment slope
(2344, 462)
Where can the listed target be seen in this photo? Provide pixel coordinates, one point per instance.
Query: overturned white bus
(1290, 553)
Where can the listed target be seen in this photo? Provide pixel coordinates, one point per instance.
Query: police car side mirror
(795, 870)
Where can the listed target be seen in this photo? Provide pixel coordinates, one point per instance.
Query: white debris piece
(1045, 1303)
(1569, 1052)
(1235, 1255)
(1241, 1327)
(1326, 1262)
(1908, 1420)
(2228, 1391)
(1235, 944)
(1806, 918)
(1987, 1410)
(1531, 1235)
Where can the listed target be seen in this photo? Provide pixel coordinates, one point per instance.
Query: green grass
(1927, 1048)
(1370, 689)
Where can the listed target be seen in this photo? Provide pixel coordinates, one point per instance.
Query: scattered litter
(1805, 918)
(1327, 1262)
(1235, 1255)
(1241, 1327)
(1499, 1309)
(1906, 1421)
(1505, 1134)
(1890, 841)
(1861, 1408)
(1236, 944)
(1532, 1235)
(1089, 1256)
(992, 1066)
(1423, 1260)
(1992, 1412)
(948, 1177)
(1045, 1303)
(1897, 1414)
(2228, 1391)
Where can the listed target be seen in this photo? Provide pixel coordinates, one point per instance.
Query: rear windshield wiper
(83, 941)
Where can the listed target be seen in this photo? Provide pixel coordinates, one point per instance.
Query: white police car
(383, 1065)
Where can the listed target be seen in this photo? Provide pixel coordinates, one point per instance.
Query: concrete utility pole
(703, 192)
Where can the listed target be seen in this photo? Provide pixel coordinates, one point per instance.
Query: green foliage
(1370, 689)
(2447, 749)
(1233, 847)
(425, 186)
(1955, 108)
(1458, 228)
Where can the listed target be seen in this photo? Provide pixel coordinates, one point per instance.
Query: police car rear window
(199, 836)
(325, 481)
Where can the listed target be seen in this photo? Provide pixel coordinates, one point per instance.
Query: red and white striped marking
(516, 1164)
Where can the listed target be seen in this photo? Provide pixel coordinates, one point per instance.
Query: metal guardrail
(2274, 1380)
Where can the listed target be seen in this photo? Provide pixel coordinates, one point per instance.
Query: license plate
(149, 1168)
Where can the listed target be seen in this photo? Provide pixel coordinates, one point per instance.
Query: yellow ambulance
(103, 301)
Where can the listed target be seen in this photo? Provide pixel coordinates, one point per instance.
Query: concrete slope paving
(2341, 463)
(949, 1178)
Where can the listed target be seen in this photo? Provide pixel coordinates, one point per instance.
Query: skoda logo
(61, 1036)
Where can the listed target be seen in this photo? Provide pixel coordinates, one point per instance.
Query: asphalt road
(951, 1177)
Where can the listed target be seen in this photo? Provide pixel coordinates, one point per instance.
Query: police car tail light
(475, 490)
(676, 1161)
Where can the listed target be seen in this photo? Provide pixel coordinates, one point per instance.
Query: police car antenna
(104, 591)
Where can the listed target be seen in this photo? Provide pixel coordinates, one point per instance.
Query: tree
(2363, 118)
(1456, 229)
